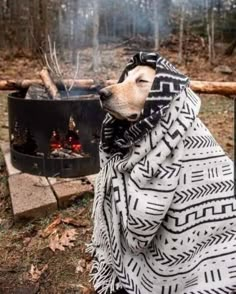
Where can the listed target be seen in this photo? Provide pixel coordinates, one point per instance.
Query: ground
(22, 245)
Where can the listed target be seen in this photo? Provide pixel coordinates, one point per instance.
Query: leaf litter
(65, 240)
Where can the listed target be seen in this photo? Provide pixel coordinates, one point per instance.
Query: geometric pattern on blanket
(164, 207)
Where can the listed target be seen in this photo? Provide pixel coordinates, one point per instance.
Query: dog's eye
(141, 81)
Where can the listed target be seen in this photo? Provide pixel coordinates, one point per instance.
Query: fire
(55, 146)
(55, 141)
(76, 147)
(70, 142)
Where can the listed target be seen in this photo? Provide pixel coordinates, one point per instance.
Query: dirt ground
(27, 264)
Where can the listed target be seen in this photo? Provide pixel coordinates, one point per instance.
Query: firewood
(207, 87)
(12, 85)
(49, 84)
(221, 88)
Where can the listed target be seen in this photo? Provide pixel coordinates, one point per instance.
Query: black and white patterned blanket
(164, 208)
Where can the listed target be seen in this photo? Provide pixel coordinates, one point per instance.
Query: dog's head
(126, 100)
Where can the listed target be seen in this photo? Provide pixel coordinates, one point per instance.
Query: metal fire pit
(32, 124)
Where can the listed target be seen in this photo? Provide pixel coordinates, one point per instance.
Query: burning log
(207, 87)
(64, 153)
(49, 84)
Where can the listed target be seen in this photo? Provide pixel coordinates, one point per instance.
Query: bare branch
(76, 71)
(47, 63)
(54, 66)
(54, 57)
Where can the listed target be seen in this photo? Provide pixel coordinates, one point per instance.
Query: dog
(125, 100)
(164, 208)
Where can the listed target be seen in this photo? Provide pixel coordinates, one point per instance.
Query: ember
(68, 146)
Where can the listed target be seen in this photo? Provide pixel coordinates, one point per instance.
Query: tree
(96, 53)
(75, 31)
(210, 26)
(181, 33)
(156, 25)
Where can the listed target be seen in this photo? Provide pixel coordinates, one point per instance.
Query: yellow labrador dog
(164, 207)
(126, 100)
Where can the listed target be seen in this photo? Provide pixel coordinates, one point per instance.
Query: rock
(31, 196)
(225, 69)
(67, 191)
(11, 170)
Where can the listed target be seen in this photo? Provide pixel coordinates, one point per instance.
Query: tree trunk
(2, 31)
(43, 12)
(34, 23)
(156, 25)
(181, 33)
(60, 39)
(210, 23)
(164, 18)
(212, 32)
(134, 19)
(96, 53)
(75, 31)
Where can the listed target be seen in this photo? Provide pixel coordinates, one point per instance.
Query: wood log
(206, 87)
(49, 84)
(13, 85)
(221, 88)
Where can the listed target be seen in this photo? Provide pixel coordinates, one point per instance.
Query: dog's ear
(123, 75)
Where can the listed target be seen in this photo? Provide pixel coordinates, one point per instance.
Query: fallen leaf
(86, 290)
(35, 273)
(51, 227)
(80, 266)
(26, 241)
(68, 237)
(66, 240)
(75, 222)
(55, 243)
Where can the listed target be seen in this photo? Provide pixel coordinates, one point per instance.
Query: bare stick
(58, 70)
(47, 63)
(49, 84)
(76, 72)
(55, 68)
(54, 58)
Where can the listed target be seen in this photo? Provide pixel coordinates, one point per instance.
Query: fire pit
(55, 137)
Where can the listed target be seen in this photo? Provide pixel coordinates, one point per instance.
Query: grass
(217, 112)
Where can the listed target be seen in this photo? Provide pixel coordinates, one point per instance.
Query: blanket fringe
(102, 273)
(103, 277)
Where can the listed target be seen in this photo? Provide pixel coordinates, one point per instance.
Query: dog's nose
(104, 94)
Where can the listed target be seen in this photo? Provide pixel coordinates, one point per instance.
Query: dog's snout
(133, 116)
(104, 94)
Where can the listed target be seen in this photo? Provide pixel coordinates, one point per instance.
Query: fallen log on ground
(206, 87)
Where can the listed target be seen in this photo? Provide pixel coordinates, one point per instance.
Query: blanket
(164, 208)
